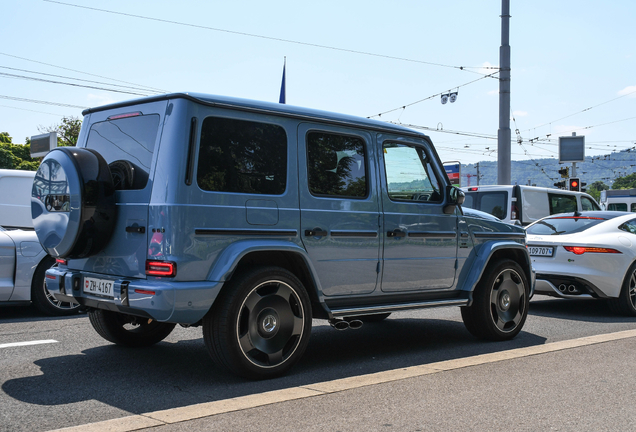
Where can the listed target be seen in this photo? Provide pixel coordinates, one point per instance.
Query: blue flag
(282, 85)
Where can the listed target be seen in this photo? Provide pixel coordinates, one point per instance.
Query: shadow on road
(170, 375)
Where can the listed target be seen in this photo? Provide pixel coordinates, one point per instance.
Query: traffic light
(583, 184)
(560, 185)
(574, 184)
(565, 172)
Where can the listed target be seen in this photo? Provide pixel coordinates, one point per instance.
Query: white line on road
(206, 409)
(18, 344)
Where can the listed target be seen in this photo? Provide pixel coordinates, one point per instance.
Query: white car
(586, 254)
(23, 264)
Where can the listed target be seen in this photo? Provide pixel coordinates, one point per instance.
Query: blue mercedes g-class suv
(251, 219)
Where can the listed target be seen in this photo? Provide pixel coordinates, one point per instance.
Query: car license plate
(541, 251)
(100, 287)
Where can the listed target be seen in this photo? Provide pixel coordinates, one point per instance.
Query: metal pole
(503, 134)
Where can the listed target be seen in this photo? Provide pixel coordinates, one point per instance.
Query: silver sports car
(23, 264)
(586, 254)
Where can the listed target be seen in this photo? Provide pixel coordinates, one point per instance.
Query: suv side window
(242, 156)
(409, 174)
(562, 203)
(336, 165)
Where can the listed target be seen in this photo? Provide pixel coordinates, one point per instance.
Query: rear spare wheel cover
(73, 202)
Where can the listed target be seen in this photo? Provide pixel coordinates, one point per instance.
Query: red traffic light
(574, 185)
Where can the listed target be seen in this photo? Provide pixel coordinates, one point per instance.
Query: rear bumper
(566, 286)
(156, 298)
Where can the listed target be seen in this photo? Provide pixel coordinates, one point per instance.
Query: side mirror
(454, 197)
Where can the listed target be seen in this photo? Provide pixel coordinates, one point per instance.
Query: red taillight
(60, 261)
(473, 189)
(580, 250)
(161, 268)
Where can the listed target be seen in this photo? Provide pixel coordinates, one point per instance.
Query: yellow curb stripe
(191, 412)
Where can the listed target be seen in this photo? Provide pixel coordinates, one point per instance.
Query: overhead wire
(82, 72)
(464, 68)
(41, 102)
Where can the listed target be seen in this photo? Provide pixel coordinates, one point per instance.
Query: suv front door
(420, 241)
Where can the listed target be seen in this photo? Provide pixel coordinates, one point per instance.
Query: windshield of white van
(130, 140)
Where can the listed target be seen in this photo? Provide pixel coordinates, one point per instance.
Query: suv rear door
(339, 207)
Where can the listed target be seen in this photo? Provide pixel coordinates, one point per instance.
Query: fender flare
(476, 264)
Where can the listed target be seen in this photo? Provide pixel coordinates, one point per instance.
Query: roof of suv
(266, 107)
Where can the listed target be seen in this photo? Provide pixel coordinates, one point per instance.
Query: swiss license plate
(541, 251)
(101, 287)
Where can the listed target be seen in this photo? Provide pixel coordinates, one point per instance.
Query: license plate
(100, 287)
(541, 251)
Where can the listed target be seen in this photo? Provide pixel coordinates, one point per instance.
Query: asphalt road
(82, 379)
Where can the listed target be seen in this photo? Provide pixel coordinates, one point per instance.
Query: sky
(573, 65)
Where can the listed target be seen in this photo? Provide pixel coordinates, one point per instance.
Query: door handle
(316, 232)
(396, 233)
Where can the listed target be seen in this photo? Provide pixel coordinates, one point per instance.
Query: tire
(73, 203)
(127, 330)
(42, 298)
(373, 318)
(625, 303)
(500, 302)
(260, 324)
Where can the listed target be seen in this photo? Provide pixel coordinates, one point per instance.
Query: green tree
(595, 189)
(15, 156)
(67, 131)
(627, 182)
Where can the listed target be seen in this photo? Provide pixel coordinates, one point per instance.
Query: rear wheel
(128, 330)
(259, 326)
(42, 298)
(500, 302)
(625, 303)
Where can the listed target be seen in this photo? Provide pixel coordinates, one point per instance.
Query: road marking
(191, 412)
(17, 344)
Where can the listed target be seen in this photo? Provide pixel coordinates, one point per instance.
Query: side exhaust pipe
(355, 324)
(572, 289)
(563, 288)
(339, 324)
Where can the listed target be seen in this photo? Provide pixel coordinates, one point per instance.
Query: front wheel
(625, 304)
(128, 330)
(259, 326)
(500, 302)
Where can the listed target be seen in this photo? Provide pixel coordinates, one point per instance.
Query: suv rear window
(130, 139)
(563, 225)
(242, 156)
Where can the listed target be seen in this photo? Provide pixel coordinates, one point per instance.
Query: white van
(15, 198)
(619, 200)
(522, 205)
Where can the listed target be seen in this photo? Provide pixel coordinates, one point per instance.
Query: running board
(368, 310)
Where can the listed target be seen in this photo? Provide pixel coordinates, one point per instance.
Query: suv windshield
(563, 225)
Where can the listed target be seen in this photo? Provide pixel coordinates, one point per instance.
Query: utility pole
(503, 134)
(477, 173)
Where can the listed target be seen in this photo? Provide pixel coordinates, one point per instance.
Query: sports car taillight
(580, 250)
